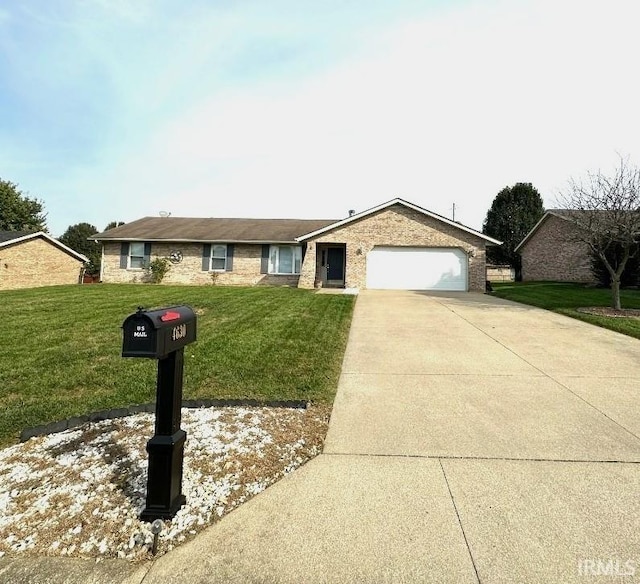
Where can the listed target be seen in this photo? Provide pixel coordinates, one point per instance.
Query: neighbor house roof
(8, 238)
(397, 201)
(572, 215)
(186, 229)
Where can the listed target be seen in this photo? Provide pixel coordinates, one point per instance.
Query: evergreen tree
(514, 211)
(77, 237)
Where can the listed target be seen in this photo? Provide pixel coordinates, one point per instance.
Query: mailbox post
(162, 334)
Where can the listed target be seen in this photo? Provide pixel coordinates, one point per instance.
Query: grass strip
(565, 298)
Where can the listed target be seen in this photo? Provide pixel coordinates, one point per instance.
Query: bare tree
(607, 208)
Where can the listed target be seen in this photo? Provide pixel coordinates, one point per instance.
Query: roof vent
(164, 213)
(351, 212)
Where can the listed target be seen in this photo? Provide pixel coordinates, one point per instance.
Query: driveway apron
(472, 440)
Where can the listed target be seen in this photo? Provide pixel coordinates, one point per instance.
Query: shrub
(157, 269)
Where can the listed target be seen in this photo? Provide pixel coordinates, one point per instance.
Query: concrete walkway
(472, 440)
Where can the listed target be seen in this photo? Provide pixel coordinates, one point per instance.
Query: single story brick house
(395, 245)
(552, 250)
(29, 260)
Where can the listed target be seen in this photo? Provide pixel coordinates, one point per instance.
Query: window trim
(212, 257)
(274, 267)
(130, 256)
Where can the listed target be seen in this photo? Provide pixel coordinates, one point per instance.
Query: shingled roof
(186, 229)
(11, 235)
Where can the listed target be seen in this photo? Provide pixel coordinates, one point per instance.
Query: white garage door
(416, 268)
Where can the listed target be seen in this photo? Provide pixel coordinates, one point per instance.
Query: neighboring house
(553, 251)
(396, 245)
(28, 260)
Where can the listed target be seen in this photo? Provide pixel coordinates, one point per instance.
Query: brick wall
(36, 262)
(396, 225)
(554, 254)
(246, 267)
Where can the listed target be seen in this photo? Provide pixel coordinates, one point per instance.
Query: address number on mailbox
(179, 332)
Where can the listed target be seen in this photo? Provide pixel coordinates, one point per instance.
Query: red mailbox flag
(170, 316)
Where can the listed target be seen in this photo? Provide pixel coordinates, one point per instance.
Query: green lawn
(565, 298)
(61, 348)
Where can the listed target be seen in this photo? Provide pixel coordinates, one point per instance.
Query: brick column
(308, 269)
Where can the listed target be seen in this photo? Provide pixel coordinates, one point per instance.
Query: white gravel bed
(79, 493)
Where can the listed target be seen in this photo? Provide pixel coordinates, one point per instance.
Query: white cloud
(441, 111)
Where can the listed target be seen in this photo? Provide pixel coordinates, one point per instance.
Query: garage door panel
(417, 268)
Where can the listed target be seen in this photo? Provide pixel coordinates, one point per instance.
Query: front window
(285, 259)
(218, 258)
(136, 255)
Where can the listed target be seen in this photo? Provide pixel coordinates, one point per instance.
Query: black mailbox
(162, 334)
(156, 333)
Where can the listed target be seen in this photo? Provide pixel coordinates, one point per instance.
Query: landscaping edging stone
(75, 421)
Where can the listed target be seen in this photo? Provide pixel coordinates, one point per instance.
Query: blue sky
(117, 109)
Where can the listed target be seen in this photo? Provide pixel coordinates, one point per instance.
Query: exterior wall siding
(554, 254)
(246, 267)
(35, 263)
(395, 226)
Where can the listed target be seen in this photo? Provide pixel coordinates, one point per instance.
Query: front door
(335, 266)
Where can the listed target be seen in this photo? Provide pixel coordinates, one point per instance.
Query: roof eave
(51, 240)
(184, 240)
(398, 201)
(535, 228)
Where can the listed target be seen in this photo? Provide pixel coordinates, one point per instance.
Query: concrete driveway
(472, 440)
(472, 376)
(534, 419)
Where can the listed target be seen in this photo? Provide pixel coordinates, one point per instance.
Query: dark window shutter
(147, 254)
(206, 257)
(264, 261)
(124, 255)
(229, 257)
